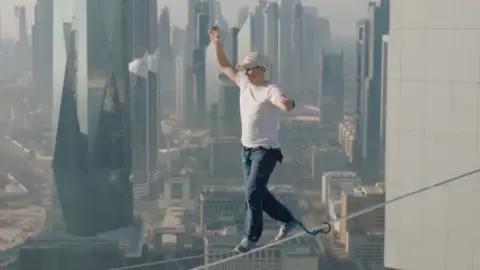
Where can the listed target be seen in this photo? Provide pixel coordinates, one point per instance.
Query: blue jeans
(258, 165)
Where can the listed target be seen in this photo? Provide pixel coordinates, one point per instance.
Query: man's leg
(260, 166)
(279, 212)
(246, 165)
(276, 210)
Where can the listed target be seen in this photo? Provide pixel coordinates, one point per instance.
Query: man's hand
(214, 34)
(284, 103)
(290, 104)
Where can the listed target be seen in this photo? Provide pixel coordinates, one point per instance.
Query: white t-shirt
(258, 114)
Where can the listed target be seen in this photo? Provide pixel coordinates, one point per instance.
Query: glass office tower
(92, 149)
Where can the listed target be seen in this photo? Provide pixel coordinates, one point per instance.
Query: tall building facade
(332, 96)
(432, 134)
(363, 236)
(228, 107)
(311, 49)
(370, 119)
(22, 52)
(211, 92)
(92, 150)
(285, 44)
(199, 69)
(362, 56)
(258, 33)
(296, 41)
(146, 86)
(138, 97)
(166, 59)
(245, 43)
(271, 15)
(42, 48)
(140, 73)
(231, 45)
(383, 107)
(153, 95)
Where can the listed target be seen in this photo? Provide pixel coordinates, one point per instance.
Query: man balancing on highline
(261, 103)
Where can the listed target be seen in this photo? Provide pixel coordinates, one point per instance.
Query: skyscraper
(42, 48)
(199, 69)
(312, 45)
(231, 45)
(297, 39)
(285, 43)
(332, 89)
(383, 106)
(271, 37)
(187, 87)
(258, 33)
(432, 134)
(362, 59)
(371, 96)
(139, 83)
(180, 88)
(153, 136)
(245, 39)
(22, 46)
(242, 16)
(200, 90)
(92, 155)
(166, 59)
(211, 91)
(228, 107)
(141, 89)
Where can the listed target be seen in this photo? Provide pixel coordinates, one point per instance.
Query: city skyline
(120, 125)
(341, 14)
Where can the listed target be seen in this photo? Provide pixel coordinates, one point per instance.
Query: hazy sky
(343, 14)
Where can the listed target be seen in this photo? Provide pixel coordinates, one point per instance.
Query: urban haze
(120, 138)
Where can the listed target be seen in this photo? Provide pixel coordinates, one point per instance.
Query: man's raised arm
(222, 60)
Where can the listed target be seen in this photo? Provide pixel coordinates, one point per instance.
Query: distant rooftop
(130, 238)
(168, 150)
(373, 235)
(194, 133)
(173, 223)
(373, 189)
(352, 189)
(347, 187)
(303, 118)
(174, 218)
(340, 174)
(328, 148)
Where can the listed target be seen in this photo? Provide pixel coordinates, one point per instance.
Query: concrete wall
(432, 134)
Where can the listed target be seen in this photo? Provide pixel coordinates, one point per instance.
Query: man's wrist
(292, 104)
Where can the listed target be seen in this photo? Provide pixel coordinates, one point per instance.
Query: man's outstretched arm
(281, 100)
(284, 103)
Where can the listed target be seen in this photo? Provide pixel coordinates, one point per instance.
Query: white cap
(254, 59)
